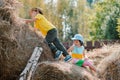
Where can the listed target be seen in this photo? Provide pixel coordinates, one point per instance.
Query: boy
(50, 33)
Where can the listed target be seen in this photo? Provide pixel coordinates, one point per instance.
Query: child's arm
(70, 49)
(29, 20)
(85, 56)
(35, 29)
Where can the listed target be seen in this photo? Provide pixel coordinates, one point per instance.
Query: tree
(118, 27)
(69, 16)
(74, 14)
(104, 23)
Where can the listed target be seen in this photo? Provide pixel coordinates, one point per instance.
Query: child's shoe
(58, 54)
(68, 58)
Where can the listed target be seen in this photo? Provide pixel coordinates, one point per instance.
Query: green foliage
(105, 21)
(90, 2)
(73, 17)
(118, 27)
(76, 16)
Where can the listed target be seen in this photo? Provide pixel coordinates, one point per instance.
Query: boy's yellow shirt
(43, 24)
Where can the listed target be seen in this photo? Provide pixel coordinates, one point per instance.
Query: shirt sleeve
(38, 16)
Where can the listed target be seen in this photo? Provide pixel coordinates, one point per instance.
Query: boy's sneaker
(68, 58)
(58, 54)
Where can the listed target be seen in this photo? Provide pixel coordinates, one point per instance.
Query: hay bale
(109, 67)
(17, 42)
(107, 61)
(61, 71)
(2, 3)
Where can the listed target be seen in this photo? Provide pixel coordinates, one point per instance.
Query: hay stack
(17, 42)
(61, 71)
(107, 61)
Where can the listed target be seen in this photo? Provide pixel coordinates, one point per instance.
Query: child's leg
(88, 63)
(50, 38)
(51, 46)
(60, 46)
(79, 63)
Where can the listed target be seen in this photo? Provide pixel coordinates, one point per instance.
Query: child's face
(32, 13)
(76, 42)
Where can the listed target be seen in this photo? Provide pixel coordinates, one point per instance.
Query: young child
(77, 52)
(49, 31)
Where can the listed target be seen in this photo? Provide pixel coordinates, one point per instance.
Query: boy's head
(35, 11)
(78, 38)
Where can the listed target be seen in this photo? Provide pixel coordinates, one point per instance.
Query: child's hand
(26, 21)
(86, 59)
(35, 29)
(29, 20)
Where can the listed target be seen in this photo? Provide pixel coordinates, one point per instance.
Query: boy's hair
(37, 10)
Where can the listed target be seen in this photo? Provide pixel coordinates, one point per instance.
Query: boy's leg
(60, 46)
(54, 50)
(52, 38)
(51, 35)
(51, 46)
(49, 39)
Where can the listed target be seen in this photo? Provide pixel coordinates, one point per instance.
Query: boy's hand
(26, 21)
(35, 29)
(29, 20)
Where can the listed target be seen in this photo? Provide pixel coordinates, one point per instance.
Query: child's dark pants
(54, 43)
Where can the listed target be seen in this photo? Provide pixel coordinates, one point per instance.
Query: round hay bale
(113, 71)
(61, 71)
(2, 3)
(109, 67)
(107, 61)
(17, 42)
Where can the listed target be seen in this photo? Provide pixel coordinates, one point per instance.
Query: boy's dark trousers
(54, 43)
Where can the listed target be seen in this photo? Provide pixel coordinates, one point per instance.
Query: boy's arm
(35, 29)
(29, 20)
